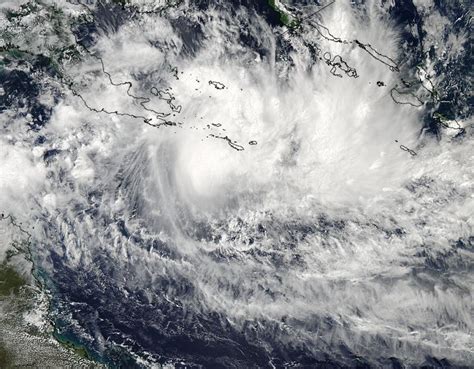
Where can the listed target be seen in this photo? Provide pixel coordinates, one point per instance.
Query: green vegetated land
(10, 281)
(5, 358)
(285, 18)
(22, 345)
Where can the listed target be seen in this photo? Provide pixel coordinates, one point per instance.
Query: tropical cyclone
(163, 234)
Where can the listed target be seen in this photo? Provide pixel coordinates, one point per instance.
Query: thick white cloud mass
(321, 228)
